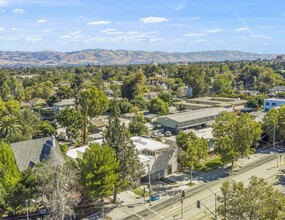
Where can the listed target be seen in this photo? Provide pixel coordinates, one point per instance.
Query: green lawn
(139, 192)
(212, 164)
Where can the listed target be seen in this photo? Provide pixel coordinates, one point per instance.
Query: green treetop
(234, 136)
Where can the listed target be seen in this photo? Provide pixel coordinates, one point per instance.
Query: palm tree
(9, 127)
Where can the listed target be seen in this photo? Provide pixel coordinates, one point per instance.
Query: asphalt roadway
(171, 208)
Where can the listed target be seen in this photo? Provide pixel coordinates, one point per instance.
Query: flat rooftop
(196, 114)
(274, 99)
(203, 133)
(193, 104)
(219, 101)
(148, 144)
(65, 102)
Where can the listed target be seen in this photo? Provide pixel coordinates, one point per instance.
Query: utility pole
(274, 147)
(274, 142)
(144, 195)
(225, 207)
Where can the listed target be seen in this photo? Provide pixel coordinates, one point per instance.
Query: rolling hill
(110, 57)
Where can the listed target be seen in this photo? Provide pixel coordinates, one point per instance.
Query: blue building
(272, 103)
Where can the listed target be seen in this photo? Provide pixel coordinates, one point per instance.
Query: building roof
(274, 99)
(205, 133)
(98, 123)
(73, 153)
(148, 144)
(37, 101)
(29, 153)
(65, 102)
(191, 115)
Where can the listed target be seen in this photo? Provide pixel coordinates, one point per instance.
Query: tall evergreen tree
(117, 136)
(92, 102)
(98, 169)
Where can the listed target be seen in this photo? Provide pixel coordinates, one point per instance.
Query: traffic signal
(183, 194)
(198, 204)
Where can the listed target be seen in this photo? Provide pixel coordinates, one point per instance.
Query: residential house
(37, 102)
(188, 91)
(30, 153)
(150, 95)
(57, 107)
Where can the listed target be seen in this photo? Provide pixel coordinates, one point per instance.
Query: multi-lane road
(265, 167)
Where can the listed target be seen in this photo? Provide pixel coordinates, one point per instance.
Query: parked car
(167, 133)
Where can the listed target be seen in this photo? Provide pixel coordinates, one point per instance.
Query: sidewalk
(132, 203)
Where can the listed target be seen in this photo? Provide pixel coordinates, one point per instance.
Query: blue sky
(151, 25)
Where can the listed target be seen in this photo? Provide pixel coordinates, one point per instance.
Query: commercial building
(158, 159)
(190, 119)
(210, 102)
(272, 103)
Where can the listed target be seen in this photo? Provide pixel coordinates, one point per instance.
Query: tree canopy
(194, 150)
(257, 201)
(98, 168)
(118, 138)
(234, 136)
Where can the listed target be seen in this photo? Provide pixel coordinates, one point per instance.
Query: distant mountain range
(110, 57)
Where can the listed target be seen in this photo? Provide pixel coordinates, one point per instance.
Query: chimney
(53, 143)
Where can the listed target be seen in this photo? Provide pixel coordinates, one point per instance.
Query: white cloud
(14, 29)
(18, 11)
(2, 29)
(110, 31)
(73, 36)
(42, 21)
(149, 20)
(201, 40)
(98, 22)
(47, 30)
(3, 2)
(180, 7)
(195, 35)
(242, 29)
(33, 39)
(216, 30)
(3, 11)
(259, 36)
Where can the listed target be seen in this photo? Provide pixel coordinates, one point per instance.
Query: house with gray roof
(30, 153)
(57, 107)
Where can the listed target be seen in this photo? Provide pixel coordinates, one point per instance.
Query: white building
(158, 158)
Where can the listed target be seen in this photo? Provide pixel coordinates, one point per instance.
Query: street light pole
(215, 194)
(149, 182)
(27, 206)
